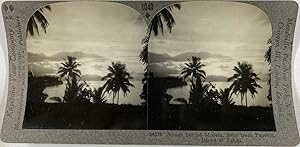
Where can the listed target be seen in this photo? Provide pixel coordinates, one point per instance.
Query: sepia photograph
(84, 69)
(197, 66)
(149, 72)
(209, 68)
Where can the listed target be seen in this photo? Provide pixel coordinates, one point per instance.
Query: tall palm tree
(244, 80)
(117, 79)
(194, 69)
(38, 17)
(69, 68)
(163, 17)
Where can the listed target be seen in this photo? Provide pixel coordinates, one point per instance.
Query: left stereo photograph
(84, 68)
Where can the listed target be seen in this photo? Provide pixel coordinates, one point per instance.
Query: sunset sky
(97, 33)
(221, 33)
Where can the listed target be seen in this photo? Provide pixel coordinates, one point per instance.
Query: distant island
(50, 80)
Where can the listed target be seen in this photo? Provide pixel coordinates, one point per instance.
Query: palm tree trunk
(192, 83)
(118, 97)
(246, 100)
(242, 100)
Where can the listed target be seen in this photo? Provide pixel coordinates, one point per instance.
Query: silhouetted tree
(73, 91)
(157, 23)
(69, 68)
(225, 97)
(35, 94)
(98, 95)
(268, 59)
(118, 79)
(38, 18)
(199, 91)
(158, 101)
(244, 80)
(194, 69)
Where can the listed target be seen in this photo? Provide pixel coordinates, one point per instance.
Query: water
(259, 100)
(132, 98)
(181, 92)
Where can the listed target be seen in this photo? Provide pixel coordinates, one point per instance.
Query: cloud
(38, 57)
(156, 57)
(216, 78)
(98, 66)
(163, 70)
(77, 54)
(91, 77)
(41, 69)
(34, 57)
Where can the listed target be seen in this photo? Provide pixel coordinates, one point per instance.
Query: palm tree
(38, 17)
(72, 92)
(98, 95)
(268, 59)
(194, 69)
(117, 79)
(199, 91)
(244, 80)
(268, 53)
(156, 25)
(69, 68)
(225, 97)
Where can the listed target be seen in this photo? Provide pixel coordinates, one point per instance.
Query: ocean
(181, 92)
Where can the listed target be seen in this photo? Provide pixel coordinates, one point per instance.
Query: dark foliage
(244, 80)
(118, 79)
(268, 59)
(38, 18)
(164, 17)
(35, 94)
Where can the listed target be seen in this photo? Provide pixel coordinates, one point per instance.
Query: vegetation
(157, 23)
(268, 59)
(117, 79)
(206, 108)
(194, 69)
(244, 80)
(69, 69)
(38, 18)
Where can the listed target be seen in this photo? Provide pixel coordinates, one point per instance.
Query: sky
(221, 33)
(95, 33)
(98, 33)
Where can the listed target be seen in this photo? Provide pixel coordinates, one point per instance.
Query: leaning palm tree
(69, 68)
(117, 79)
(157, 23)
(194, 69)
(244, 80)
(38, 17)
